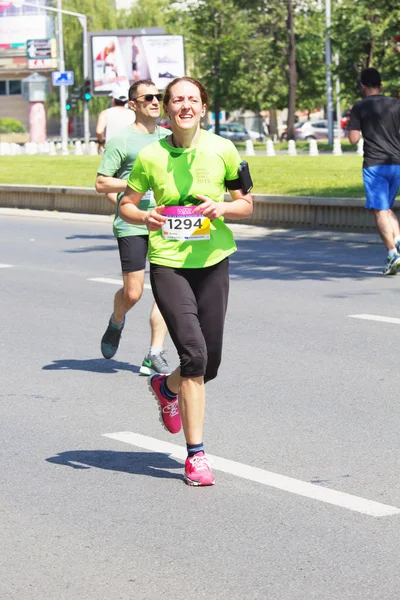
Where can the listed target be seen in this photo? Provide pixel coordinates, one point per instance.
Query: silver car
(232, 131)
(314, 130)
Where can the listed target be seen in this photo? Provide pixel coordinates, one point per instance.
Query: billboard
(123, 59)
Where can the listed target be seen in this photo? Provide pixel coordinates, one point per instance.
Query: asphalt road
(306, 409)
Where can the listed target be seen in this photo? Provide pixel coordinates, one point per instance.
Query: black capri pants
(193, 303)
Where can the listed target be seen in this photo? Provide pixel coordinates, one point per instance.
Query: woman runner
(189, 246)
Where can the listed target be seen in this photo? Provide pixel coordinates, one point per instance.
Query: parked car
(311, 130)
(237, 132)
(231, 131)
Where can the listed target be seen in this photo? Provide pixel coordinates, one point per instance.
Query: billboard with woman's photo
(123, 59)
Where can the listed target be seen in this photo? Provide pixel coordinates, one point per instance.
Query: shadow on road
(93, 365)
(150, 464)
(301, 259)
(91, 237)
(91, 249)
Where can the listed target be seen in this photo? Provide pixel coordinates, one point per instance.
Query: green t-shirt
(176, 175)
(120, 154)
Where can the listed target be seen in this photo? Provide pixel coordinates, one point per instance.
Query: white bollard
(360, 147)
(78, 148)
(337, 147)
(84, 149)
(249, 148)
(292, 148)
(58, 146)
(52, 149)
(92, 148)
(313, 148)
(64, 148)
(30, 148)
(270, 148)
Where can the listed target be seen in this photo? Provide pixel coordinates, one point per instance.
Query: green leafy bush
(11, 126)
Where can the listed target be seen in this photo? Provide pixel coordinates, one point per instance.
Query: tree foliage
(240, 51)
(363, 33)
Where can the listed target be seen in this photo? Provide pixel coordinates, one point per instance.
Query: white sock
(155, 350)
(392, 252)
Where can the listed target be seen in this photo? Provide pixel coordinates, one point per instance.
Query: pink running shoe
(169, 409)
(198, 470)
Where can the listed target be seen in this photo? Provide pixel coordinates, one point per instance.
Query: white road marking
(376, 318)
(281, 482)
(3, 266)
(146, 286)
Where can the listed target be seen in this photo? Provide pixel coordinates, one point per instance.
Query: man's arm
(107, 184)
(101, 127)
(354, 136)
(354, 126)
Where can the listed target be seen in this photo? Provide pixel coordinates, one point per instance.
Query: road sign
(41, 53)
(39, 48)
(62, 78)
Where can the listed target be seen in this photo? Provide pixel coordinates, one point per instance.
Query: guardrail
(344, 214)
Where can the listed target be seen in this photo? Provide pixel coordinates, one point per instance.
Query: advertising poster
(125, 59)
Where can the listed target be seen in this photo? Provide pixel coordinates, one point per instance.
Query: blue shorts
(381, 184)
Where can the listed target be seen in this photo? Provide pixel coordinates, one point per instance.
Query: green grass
(324, 175)
(78, 171)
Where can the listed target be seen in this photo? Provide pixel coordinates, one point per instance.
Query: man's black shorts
(133, 252)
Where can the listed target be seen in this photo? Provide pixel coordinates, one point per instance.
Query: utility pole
(61, 67)
(83, 22)
(328, 63)
(338, 111)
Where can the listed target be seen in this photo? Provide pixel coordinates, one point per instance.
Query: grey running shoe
(392, 265)
(155, 363)
(110, 340)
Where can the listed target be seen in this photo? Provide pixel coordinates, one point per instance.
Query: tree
(363, 33)
(216, 34)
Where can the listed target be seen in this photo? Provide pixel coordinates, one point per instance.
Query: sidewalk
(240, 230)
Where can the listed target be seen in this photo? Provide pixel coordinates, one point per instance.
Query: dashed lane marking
(147, 286)
(376, 318)
(3, 266)
(281, 482)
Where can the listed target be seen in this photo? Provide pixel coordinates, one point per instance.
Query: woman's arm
(129, 211)
(240, 207)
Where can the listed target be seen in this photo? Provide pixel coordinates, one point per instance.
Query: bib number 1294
(183, 224)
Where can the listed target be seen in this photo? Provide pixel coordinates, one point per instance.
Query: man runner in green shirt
(119, 156)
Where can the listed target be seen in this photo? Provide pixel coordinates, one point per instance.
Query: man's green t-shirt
(176, 175)
(120, 154)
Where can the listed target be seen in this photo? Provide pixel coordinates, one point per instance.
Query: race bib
(184, 225)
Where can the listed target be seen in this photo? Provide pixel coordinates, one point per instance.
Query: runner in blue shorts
(377, 119)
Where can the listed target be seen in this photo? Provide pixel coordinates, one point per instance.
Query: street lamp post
(338, 111)
(83, 21)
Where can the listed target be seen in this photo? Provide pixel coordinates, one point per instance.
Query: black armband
(243, 182)
(234, 184)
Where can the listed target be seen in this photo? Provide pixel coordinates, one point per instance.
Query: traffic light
(87, 94)
(68, 106)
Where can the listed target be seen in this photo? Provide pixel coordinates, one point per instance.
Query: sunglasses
(149, 97)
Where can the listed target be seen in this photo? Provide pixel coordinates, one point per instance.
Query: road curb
(240, 230)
